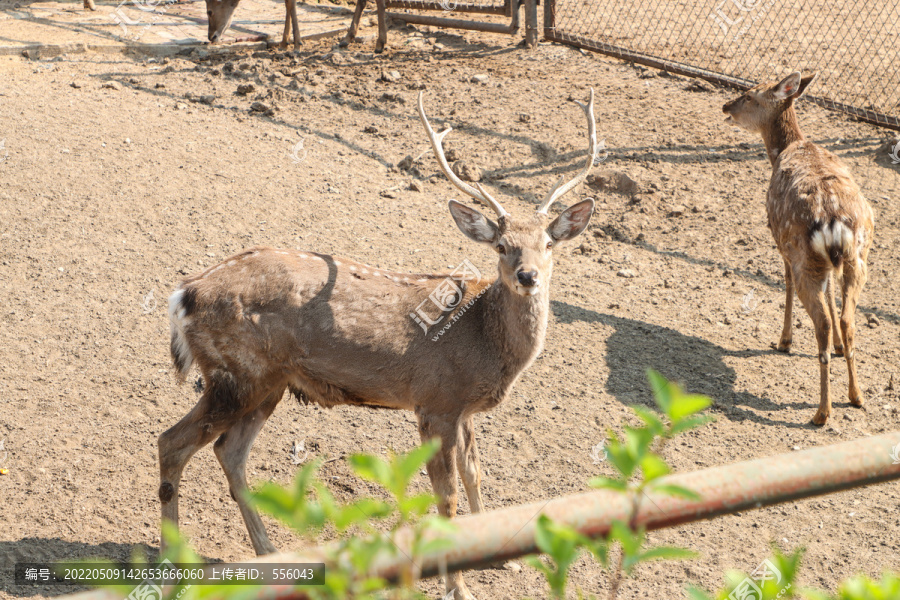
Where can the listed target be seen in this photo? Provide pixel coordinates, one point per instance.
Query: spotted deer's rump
(813, 192)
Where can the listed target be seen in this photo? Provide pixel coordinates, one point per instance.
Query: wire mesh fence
(853, 44)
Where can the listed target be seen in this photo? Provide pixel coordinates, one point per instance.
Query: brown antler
(560, 190)
(436, 140)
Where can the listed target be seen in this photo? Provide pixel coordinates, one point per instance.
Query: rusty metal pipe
(509, 532)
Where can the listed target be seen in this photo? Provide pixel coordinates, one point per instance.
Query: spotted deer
(333, 331)
(822, 224)
(220, 13)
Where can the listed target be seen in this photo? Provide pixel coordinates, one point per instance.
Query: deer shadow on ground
(697, 364)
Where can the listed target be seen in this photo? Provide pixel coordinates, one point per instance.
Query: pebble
(480, 78)
(416, 186)
(245, 88)
(873, 320)
(627, 273)
(112, 85)
(76, 85)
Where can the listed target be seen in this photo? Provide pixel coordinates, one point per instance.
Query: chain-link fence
(853, 44)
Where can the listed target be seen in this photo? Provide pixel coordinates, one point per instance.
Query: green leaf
(695, 593)
(688, 423)
(675, 490)
(407, 465)
(653, 467)
(654, 423)
(661, 390)
(416, 505)
(688, 404)
(605, 483)
(372, 468)
(667, 553)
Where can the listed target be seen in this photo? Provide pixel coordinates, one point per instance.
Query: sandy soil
(108, 196)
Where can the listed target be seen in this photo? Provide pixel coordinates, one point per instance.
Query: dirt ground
(108, 195)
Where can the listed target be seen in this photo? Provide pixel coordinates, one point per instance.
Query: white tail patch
(832, 240)
(181, 352)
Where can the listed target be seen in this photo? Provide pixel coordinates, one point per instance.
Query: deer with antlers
(334, 331)
(822, 224)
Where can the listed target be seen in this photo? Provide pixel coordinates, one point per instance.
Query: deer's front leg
(784, 345)
(442, 472)
(354, 24)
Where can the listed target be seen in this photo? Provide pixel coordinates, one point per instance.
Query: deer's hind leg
(811, 290)
(216, 411)
(855, 275)
(832, 310)
(232, 449)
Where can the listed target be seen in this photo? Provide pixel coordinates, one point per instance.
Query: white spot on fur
(421, 280)
(365, 271)
(353, 268)
(337, 263)
(375, 273)
(231, 263)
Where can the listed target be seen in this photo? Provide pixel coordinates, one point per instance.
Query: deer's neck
(783, 131)
(516, 325)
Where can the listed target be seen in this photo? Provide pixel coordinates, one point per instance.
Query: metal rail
(508, 533)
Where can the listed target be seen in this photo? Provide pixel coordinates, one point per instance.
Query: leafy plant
(638, 464)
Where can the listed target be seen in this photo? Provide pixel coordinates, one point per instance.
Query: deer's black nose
(527, 278)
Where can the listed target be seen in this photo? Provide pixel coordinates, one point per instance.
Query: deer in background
(822, 225)
(220, 13)
(334, 331)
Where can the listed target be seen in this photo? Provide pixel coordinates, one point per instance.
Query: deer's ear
(787, 87)
(572, 221)
(804, 83)
(475, 225)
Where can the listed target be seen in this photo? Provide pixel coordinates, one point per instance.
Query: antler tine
(560, 190)
(436, 141)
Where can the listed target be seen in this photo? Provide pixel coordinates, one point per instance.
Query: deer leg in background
(382, 26)
(784, 345)
(354, 24)
(832, 310)
(469, 465)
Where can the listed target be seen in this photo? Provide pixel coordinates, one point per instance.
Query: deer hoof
(857, 402)
(784, 346)
(820, 419)
(345, 42)
(379, 47)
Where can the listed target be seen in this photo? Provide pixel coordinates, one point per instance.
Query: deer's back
(810, 189)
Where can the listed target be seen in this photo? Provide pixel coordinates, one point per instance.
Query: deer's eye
(501, 248)
(549, 245)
